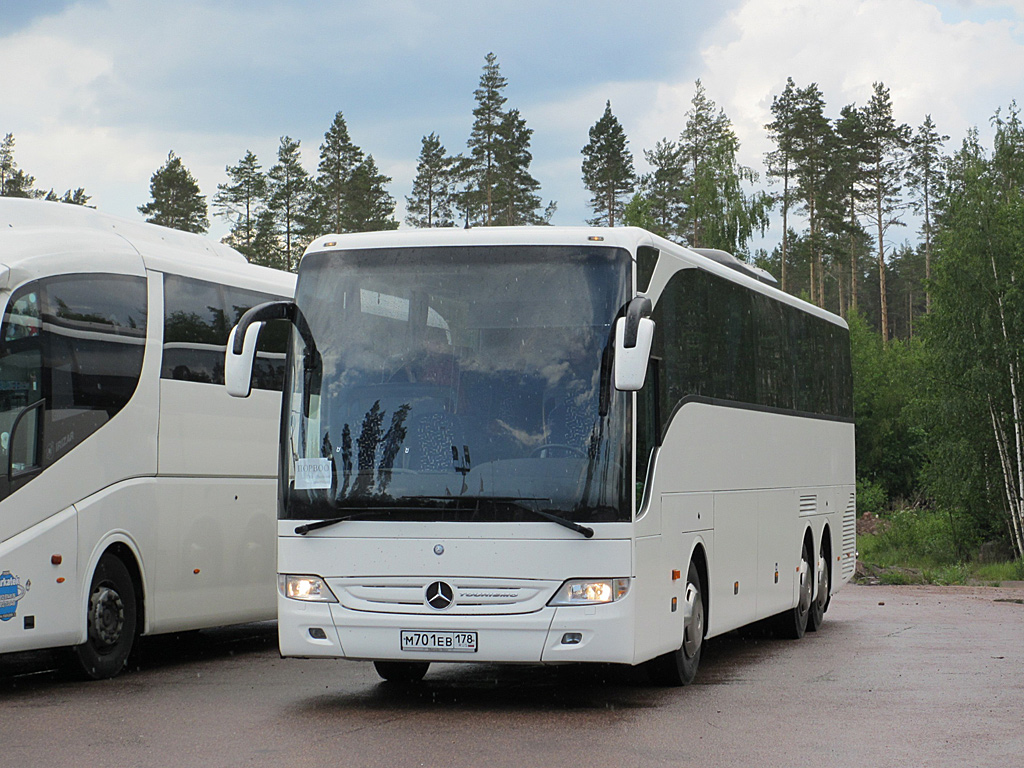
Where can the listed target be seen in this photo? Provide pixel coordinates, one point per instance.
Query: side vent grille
(808, 505)
(850, 538)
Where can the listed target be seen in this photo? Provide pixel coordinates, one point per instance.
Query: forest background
(919, 246)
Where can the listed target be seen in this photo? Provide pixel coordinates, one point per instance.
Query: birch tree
(976, 328)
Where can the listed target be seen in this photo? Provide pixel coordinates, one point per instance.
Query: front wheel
(110, 621)
(679, 667)
(401, 671)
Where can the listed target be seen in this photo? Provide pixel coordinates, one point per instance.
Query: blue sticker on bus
(11, 592)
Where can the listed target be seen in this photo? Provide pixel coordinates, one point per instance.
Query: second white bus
(136, 497)
(552, 445)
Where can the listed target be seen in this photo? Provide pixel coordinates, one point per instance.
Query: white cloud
(958, 72)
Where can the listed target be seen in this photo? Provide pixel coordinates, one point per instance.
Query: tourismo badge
(11, 591)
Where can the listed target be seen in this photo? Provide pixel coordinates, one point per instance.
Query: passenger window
(199, 316)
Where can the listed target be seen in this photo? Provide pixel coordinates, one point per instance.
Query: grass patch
(915, 546)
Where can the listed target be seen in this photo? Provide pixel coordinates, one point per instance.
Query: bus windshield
(457, 384)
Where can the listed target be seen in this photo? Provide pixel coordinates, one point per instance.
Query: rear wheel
(793, 623)
(824, 585)
(401, 671)
(110, 620)
(679, 667)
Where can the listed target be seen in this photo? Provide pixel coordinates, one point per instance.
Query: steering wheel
(542, 451)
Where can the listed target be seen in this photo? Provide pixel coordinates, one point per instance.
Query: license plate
(454, 642)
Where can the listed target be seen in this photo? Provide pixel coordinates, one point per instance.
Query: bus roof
(629, 238)
(45, 237)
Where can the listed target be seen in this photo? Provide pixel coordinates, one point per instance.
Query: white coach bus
(136, 497)
(552, 445)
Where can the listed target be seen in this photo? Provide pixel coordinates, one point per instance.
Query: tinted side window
(75, 343)
(646, 261)
(716, 339)
(198, 316)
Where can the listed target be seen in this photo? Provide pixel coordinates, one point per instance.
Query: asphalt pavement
(897, 676)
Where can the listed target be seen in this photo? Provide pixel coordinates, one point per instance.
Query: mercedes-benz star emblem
(439, 549)
(439, 595)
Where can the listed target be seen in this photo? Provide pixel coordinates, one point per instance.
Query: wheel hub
(805, 586)
(106, 616)
(693, 632)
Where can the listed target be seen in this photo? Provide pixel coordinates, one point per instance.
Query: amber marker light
(676, 574)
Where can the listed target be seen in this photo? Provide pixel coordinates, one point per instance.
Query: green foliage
(290, 195)
(176, 201)
(719, 213)
(890, 442)
(871, 497)
(607, 168)
(367, 205)
(430, 204)
(339, 160)
(241, 201)
(975, 333)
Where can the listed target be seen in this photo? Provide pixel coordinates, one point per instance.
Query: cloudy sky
(96, 92)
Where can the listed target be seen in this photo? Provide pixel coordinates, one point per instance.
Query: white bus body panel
(747, 480)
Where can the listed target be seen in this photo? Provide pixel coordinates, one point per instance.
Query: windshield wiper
(516, 501)
(305, 528)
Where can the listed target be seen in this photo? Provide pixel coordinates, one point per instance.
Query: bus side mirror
(238, 366)
(631, 361)
(634, 334)
(241, 351)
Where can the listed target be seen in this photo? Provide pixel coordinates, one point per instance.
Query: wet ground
(897, 676)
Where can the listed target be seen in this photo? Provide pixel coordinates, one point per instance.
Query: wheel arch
(121, 546)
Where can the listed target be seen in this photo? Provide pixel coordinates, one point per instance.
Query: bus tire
(792, 624)
(679, 667)
(401, 671)
(110, 621)
(820, 602)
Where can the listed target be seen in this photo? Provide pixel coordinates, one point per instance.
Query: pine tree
(368, 206)
(514, 198)
(848, 166)
(339, 158)
(240, 201)
(813, 145)
(76, 197)
(430, 204)
(885, 158)
(13, 181)
(485, 138)
(720, 214)
(176, 200)
(780, 161)
(662, 188)
(608, 172)
(289, 188)
(925, 177)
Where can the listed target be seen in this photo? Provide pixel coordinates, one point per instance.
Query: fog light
(572, 638)
(317, 634)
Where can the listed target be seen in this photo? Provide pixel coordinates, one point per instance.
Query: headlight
(311, 588)
(590, 591)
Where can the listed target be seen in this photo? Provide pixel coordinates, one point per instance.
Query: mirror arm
(638, 308)
(261, 313)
